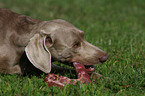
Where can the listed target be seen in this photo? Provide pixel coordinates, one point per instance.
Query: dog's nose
(103, 58)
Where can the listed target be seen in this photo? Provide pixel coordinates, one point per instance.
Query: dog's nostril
(103, 58)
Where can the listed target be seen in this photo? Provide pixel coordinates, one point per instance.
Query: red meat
(60, 81)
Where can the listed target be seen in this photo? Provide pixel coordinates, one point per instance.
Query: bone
(82, 73)
(60, 81)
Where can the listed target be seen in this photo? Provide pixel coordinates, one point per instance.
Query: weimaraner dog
(42, 41)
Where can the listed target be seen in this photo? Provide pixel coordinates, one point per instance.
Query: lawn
(115, 26)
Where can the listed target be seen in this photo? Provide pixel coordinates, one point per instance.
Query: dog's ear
(38, 53)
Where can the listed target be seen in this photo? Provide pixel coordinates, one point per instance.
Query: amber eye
(48, 39)
(76, 45)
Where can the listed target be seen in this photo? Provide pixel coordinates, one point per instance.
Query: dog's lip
(89, 66)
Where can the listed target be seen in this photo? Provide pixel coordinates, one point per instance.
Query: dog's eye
(76, 45)
(48, 39)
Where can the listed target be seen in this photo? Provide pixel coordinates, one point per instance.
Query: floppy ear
(38, 54)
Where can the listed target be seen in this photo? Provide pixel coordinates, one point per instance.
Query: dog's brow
(82, 33)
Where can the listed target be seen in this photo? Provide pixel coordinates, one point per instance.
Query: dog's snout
(103, 58)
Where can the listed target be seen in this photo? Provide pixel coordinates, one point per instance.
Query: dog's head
(62, 41)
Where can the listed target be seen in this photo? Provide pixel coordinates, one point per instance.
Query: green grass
(115, 26)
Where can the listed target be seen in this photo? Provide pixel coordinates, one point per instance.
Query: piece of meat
(60, 81)
(83, 75)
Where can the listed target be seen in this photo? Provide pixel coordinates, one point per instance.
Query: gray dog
(42, 41)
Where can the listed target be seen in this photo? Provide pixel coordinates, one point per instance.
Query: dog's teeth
(75, 63)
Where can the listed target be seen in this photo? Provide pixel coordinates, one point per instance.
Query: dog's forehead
(63, 27)
(62, 23)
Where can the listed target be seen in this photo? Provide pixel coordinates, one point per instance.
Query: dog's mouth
(89, 68)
